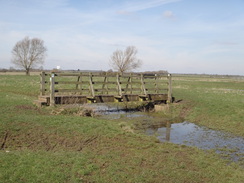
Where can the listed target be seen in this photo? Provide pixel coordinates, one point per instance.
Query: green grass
(217, 103)
(41, 147)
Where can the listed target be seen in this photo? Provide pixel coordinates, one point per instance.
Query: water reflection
(192, 135)
(168, 129)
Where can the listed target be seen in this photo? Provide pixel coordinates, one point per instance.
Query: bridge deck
(81, 99)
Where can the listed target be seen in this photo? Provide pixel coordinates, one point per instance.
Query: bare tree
(126, 60)
(29, 53)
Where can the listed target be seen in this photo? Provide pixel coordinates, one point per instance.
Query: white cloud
(168, 14)
(143, 5)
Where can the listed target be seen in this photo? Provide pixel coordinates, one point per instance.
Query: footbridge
(98, 87)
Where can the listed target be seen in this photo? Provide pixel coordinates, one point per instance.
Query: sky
(180, 36)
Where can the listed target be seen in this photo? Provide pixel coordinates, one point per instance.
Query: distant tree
(29, 53)
(110, 71)
(11, 69)
(124, 61)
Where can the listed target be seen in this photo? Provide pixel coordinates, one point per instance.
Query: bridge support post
(52, 89)
(169, 100)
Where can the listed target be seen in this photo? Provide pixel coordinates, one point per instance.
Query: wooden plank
(131, 89)
(130, 82)
(71, 74)
(104, 89)
(69, 99)
(72, 82)
(104, 98)
(158, 97)
(70, 90)
(104, 82)
(130, 97)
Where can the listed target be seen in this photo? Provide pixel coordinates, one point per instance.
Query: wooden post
(91, 85)
(156, 83)
(78, 80)
(52, 89)
(169, 89)
(129, 83)
(105, 86)
(79, 83)
(119, 86)
(144, 92)
(42, 83)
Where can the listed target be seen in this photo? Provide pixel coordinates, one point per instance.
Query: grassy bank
(37, 146)
(217, 103)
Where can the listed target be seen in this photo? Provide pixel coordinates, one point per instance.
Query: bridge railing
(101, 84)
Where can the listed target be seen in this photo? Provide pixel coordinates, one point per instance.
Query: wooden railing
(105, 84)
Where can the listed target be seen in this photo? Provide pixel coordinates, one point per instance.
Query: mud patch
(38, 138)
(29, 108)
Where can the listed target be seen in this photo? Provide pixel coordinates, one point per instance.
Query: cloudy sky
(180, 36)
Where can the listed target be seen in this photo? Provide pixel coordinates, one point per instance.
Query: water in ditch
(227, 145)
(190, 134)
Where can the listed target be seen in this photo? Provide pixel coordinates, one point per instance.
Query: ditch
(178, 131)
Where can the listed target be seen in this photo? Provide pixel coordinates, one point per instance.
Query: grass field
(37, 146)
(215, 102)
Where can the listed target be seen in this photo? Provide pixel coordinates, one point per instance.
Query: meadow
(38, 145)
(215, 102)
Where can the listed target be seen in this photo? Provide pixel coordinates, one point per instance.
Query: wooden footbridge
(70, 88)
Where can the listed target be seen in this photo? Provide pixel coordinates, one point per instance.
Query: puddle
(189, 134)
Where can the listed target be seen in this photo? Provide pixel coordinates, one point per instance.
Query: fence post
(143, 85)
(169, 89)
(42, 83)
(105, 86)
(156, 83)
(118, 85)
(52, 89)
(91, 85)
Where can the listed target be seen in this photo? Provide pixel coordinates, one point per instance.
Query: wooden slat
(72, 74)
(104, 89)
(133, 89)
(72, 82)
(132, 82)
(70, 90)
(102, 82)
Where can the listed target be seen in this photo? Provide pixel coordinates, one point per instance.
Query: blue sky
(180, 36)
